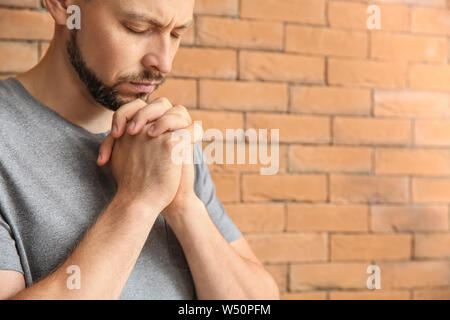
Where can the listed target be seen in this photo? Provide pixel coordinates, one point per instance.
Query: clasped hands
(140, 147)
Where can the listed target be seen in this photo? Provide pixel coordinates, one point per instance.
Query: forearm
(106, 255)
(218, 271)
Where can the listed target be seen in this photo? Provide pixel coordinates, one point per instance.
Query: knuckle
(139, 115)
(181, 108)
(141, 102)
(182, 120)
(163, 100)
(184, 112)
(166, 122)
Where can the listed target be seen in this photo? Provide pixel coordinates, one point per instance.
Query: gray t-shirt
(52, 190)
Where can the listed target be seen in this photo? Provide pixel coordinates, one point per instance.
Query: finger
(164, 125)
(123, 114)
(169, 122)
(145, 115)
(191, 134)
(105, 150)
(182, 111)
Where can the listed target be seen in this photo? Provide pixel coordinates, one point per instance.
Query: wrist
(130, 204)
(184, 208)
(181, 204)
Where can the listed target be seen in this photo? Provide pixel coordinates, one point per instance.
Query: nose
(160, 54)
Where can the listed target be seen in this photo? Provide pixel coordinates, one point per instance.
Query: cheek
(109, 52)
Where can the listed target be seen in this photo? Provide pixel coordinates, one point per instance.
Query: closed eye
(132, 30)
(135, 31)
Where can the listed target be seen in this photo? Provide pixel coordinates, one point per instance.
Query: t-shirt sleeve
(206, 191)
(9, 257)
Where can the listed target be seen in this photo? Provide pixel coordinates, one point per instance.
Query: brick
(281, 67)
(329, 159)
(429, 77)
(17, 56)
(328, 276)
(430, 3)
(307, 11)
(432, 245)
(432, 133)
(219, 120)
(235, 95)
(425, 190)
(371, 131)
(250, 165)
(313, 295)
(232, 33)
(191, 62)
(178, 91)
(410, 104)
(370, 247)
(265, 65)
(431, 294)
(326, 217)
(430, 21)
(378, 294)
(351, 15)
(217, 7)
(324, 41)
(409, 218)
(366, 73)
(293, 128)
(412, 161)
(289, 247)
(349, 188)
(330, 100)
(227, 186)
(279, 273)
(257, 217)
(284, 187)
(25, 24)
(21, 3)
(414, 274)
(405, 47)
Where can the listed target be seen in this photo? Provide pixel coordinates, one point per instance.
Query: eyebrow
(153, 21)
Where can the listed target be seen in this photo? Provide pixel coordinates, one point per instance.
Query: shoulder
(8, 87)
(8, 96)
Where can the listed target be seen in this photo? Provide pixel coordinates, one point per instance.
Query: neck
(54, 83)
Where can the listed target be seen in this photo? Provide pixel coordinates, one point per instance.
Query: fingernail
(99, 157)
(151, 130)
(131, 125)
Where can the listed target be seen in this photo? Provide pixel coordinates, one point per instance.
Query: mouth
(144, 87)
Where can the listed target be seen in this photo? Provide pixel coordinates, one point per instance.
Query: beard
(107, 96)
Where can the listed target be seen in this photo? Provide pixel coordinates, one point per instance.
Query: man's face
(119, 51)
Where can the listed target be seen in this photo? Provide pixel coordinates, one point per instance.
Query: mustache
(145, 76)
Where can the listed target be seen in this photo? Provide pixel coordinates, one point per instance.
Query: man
(132, 224)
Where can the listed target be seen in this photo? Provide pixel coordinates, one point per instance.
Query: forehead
(164, 11)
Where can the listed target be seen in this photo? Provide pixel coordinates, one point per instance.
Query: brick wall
(364, 121)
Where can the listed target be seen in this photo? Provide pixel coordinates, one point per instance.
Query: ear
(58, 10)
